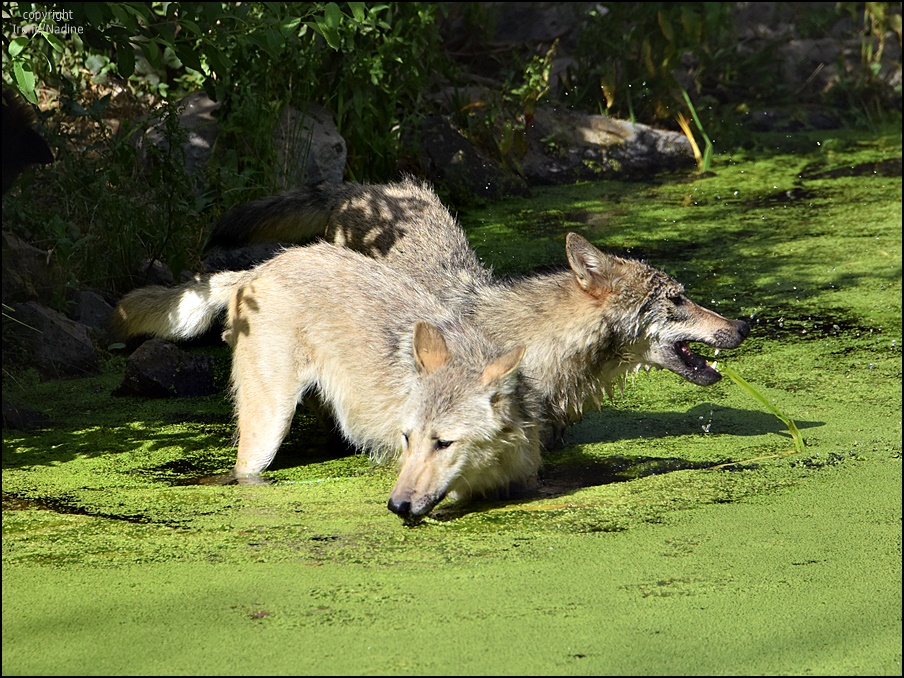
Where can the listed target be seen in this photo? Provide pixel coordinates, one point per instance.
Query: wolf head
(647, 317)
(466, 433)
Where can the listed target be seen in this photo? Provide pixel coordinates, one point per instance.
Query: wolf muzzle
(412, 513)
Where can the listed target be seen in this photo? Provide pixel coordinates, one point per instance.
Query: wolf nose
(743, 329)
(400, 508)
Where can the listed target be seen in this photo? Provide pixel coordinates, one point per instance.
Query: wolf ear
(591, 267)
(430, 350)
(502, 366)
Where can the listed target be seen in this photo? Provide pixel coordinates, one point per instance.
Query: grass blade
(792, 427)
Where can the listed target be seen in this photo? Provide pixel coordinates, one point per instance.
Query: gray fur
(585, 327)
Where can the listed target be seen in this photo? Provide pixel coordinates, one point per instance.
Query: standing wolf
(584, 328)
(397, 368)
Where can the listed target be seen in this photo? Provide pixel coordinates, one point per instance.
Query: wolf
(585, 328)
(397, 368)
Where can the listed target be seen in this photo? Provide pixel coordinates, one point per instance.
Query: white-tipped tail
(177, 312)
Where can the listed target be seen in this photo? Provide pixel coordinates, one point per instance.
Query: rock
(29, 274)
(21, 418)
(465, 173)
(90, 308)
(309, 147)
(160, 369)
(54, 344)
(564, 147)
(199, 125)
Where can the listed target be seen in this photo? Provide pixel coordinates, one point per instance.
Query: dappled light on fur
(580, 326)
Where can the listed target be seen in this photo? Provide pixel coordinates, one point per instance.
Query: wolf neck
(574, 357)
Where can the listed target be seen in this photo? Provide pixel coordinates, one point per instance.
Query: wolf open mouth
(698, 370)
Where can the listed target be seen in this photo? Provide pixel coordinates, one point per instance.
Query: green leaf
(72, 107)
(332, 15)
(692, 24)
(219, 63)
(94, 11)
(190, 26)
(665, 27)
(97, 109)
(331, 36)
(259, 40)
(125, 17)
(96, 63)
(328, 25)
(25, 81)
(54, 41)
(189, 58)
(142, 11)
(763, 400)
(17, 45)
(125, 59)
(357, 9)
(275, 41)
(166, 34)
(289, 26)
(151, 51)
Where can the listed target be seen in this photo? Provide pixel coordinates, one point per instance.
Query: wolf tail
(176, 312)
(295, 216)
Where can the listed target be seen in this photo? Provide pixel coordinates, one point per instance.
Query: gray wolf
(396, 367)
(584, 328)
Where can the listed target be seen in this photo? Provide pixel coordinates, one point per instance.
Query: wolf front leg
(261, 432)
(267, 388)
(264, 418)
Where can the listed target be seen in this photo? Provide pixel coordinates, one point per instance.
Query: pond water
(678, 531)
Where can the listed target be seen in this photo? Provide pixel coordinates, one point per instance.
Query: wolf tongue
(689, 357)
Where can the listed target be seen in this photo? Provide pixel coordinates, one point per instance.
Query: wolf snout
(404, 510)
(732, 337)
(401, 507)
(742, 331)
(412, 507)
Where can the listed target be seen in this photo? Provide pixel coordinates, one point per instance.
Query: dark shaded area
(22, 145)
(69, 506)
(22, 418)
(790, 196)
(711, 270)
(891, 167)
(565, 478)
(808, 328)
(161, 369)
(560, 479)
(615, 425)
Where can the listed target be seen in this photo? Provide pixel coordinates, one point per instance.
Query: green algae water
(682, 530)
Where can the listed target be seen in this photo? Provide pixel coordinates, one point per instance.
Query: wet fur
(584, 328)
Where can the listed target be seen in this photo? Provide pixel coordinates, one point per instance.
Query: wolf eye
(677, 299)
(442, 444)
(405, 436)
